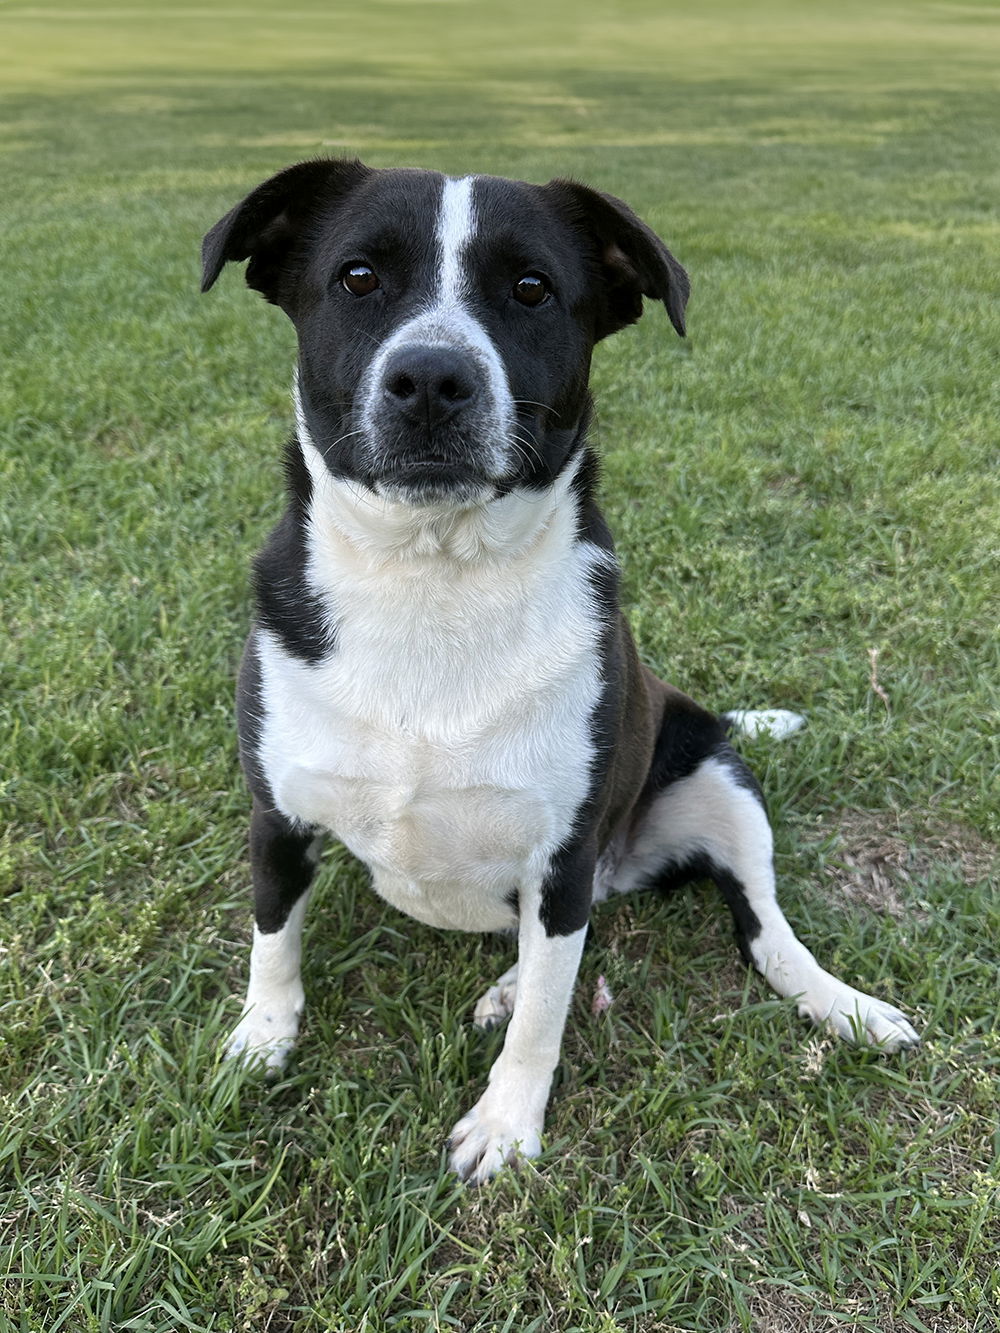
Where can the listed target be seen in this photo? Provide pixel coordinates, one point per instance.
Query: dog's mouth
(433, 479)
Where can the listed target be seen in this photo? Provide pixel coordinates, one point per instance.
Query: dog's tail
(774, 722)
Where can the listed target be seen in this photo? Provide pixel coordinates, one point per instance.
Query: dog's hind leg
(705, 819)
(283, 860)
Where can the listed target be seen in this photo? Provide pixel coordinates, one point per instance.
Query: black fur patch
(688, 736)
(741, 773)
(282, 868)
(566, 893)
(286, 604)
(703, 867)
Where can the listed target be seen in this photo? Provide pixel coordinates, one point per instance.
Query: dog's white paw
(264, 1037)
(859, 1018)
(497, 1005)
(490, 1137)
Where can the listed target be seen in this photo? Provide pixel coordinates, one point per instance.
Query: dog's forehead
(397, 201)
(410, 205)
(515, 216)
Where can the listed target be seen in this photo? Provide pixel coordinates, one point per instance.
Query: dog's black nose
(429, 385)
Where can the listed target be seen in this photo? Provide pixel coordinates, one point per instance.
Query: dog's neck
(381, 532)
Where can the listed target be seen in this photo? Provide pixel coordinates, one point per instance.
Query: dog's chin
(431, 484)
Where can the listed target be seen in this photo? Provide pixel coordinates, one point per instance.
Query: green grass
(810, 477)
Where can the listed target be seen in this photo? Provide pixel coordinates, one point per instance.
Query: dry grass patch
(878, 863)
(777, 1311)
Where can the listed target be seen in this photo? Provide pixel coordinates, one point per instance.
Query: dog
(438, 673)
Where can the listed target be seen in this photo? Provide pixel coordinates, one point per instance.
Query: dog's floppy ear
(633, 260)
(265, 226)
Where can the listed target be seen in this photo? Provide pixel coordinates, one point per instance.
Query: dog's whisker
(521, 443)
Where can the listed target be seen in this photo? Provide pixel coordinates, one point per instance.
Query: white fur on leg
(497, 1005)
(506, 1123)
(269, 1025)
(789, 967)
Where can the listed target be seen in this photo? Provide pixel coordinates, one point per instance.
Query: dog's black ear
(633, 260)
(265, 226)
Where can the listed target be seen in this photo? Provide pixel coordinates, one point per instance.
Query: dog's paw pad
(482, 1142)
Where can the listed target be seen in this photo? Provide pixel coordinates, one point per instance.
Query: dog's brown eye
(532, 289)
(359, 279)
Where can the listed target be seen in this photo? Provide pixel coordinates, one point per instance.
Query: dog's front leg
(283, 860)
(506, 1122)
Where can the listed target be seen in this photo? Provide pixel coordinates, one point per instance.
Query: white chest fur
(446, 739)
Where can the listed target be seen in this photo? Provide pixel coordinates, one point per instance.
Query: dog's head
(445, 326)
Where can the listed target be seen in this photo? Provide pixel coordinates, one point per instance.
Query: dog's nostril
(401, 386)
(452, 391)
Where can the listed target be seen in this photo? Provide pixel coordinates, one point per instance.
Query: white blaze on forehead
(456, 224)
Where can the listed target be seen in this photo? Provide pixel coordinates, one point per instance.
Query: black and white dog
(439, 673)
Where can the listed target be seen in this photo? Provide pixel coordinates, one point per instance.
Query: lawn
(805, 494)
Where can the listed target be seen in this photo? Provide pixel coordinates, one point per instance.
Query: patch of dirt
(877, 863)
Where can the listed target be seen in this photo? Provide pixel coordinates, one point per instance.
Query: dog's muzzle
(435, 410)
(435, 430)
